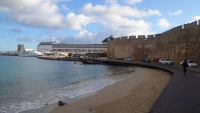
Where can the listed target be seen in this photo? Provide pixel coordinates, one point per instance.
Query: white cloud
(111, 1)
(41, 13)
(4, 9)
(126, 1)
(116, 10)
(176, 13)
(9, 5)
(162, 23)
(64, 7)
(25, 39)
(61, 0)
(44, 39)
(195, 18)
(76, 21)
(116, 19)
(128, 27)
(132, 1)
(84, 35)
(16, 30)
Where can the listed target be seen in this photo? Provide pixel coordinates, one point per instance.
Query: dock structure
(59, 58)
(9, 53)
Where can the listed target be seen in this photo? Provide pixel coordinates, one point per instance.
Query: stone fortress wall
(170, 44)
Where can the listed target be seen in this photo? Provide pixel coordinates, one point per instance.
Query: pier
(59, 58)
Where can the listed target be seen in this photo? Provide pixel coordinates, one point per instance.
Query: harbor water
(29, 83)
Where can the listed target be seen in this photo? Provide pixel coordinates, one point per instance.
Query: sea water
(29, 83)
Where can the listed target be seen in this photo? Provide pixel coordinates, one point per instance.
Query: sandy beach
(135, 94)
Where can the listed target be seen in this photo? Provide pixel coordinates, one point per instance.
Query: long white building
(71, 48)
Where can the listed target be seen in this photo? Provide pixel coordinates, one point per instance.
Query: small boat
(29, 53)
(87, 61)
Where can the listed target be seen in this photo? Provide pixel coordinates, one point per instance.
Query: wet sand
(135, 94)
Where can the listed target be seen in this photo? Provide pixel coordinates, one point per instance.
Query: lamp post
(186, 46)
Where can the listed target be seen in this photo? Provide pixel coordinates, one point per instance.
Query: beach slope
(135, 94)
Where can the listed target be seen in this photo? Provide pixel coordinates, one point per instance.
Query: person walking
(185, 65)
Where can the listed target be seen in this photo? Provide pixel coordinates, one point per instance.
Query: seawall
(169, 44)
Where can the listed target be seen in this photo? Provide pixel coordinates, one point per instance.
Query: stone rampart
(169, 44)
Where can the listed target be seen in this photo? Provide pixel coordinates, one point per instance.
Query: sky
(30, 22)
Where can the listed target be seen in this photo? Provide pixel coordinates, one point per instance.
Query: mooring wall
(170, 44)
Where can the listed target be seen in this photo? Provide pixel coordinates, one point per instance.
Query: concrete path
(182, 93)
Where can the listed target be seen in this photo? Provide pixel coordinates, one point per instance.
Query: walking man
(185, 65)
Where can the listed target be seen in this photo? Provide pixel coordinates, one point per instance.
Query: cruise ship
(73, 48)
(29, 53)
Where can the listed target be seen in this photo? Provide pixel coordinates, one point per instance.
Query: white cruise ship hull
(27, 55)
(30, 54)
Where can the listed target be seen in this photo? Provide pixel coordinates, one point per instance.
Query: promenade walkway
(182, 93)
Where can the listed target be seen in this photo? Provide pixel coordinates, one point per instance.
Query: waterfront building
(20, 47)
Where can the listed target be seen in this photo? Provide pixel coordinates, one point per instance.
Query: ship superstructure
(71, 48)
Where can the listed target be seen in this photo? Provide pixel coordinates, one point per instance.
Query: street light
(186, 46)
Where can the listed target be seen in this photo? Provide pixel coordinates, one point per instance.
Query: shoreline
(49, 107)
(133, 94)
